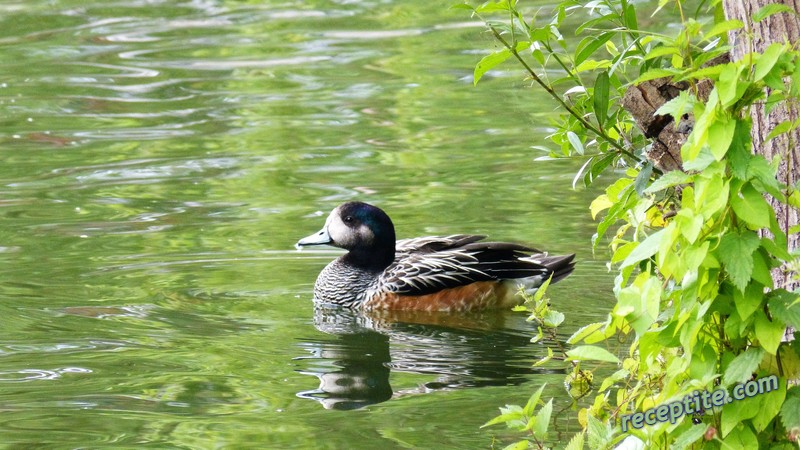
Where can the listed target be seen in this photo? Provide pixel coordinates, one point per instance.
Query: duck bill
(319, 238)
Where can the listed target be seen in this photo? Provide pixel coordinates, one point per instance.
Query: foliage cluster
(696, 301)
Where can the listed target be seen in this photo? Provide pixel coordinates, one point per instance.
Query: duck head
(362, 229)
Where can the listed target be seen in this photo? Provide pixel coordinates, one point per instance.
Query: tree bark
(642, 101)
(756, 37)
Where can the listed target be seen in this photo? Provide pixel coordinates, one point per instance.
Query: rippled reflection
(458, 350)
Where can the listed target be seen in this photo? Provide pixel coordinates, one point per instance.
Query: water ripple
(24, 375)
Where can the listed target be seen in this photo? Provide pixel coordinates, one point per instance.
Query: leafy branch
(550, 91)
(696, 301)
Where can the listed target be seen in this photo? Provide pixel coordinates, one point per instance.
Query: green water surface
(160, 159)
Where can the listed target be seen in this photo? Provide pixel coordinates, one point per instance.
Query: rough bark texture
(776, 28)
(645, 98)
(642, 101)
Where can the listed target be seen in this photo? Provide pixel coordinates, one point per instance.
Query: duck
(459, 272)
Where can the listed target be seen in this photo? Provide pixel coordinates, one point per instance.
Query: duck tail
(559, 266)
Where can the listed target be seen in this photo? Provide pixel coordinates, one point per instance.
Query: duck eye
(348, 219)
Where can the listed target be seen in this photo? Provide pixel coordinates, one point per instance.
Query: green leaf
(510, 415)
(690, 436)
(705, 72)
(689, 224)
(645, 249)
(773, 80)
(622, 188)
(584, 332)
(600, 98)
(542, 289)
(669, 179)
(462, 6)
(794, 198)
(699, 161)
(723, 27)
(552, 318)
(519, 445)
(652, 74)
(622, 252)
(750, 206)
(767, 60)
(769, 333)
(732, 325)
(489, 6)
(760, 169)
(771, 403)
(662, 50)
(785, 306)
(591, 64)
(693, 256)
(790, 411)
(772, 8)
(711, 191)
(601, 203)
(774, 100)
(779, 129)
(542, 421)
(544, 360)
(598, 433)
(741, 437)
(775, 250)
(642, 178)
(575, 141)
(538, 56)
(743, 366)
(488, 62)
(533, 402)
(561, 15)
(629, 16)
(704, 116)
(589, 45)
(640, 305)
(795, 86)
(678, 106)
(610, 18)
(750, 300)
(761, 271)
(576, 443)
(739, 155)
(591, 353)
(736, 254)
(618, 210)
(726, 86)
(612, 379)
(737, 412)
(541, 34)
(720, 136)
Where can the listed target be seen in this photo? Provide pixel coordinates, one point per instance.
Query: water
(160, 159)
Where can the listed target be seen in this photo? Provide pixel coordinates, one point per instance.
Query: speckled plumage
(342, 284)
(458, 272)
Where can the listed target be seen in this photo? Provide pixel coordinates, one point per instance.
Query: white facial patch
(337, 230)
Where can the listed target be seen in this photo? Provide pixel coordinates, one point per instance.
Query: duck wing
(431, 244)
(430, 264)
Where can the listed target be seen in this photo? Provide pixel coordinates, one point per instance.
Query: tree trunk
(756, 37)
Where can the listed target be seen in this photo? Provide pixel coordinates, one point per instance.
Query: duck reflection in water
(490, 348)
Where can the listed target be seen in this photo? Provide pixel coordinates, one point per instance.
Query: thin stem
(680, 10)
(566, 69)
(561, 101)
